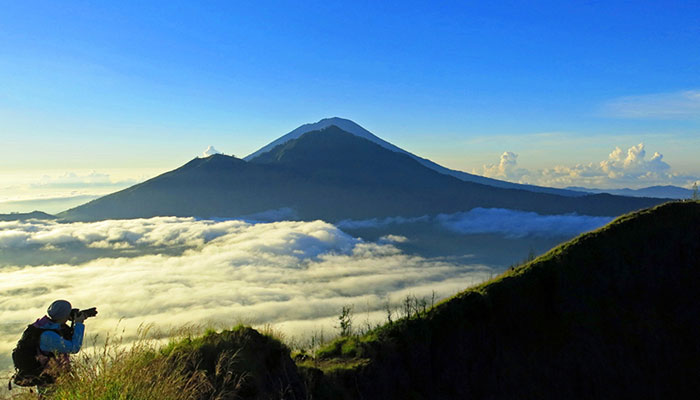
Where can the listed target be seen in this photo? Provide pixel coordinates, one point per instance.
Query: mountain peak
(335, 121)
(342, 123)
(355, 129)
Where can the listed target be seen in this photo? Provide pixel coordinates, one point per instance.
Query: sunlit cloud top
(298, 274)
(623, 168)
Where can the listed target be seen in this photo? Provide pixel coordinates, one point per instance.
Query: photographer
(57, 338)
(43, 351)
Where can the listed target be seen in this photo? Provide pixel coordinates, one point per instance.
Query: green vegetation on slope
(239, 363)
(115, 372)
(611, 314)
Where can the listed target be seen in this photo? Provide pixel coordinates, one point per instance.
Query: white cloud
(506, 169)
(633, 163)
(284, 273)
(393, 239)
(154, 232)
(210, 151)
(13, 239)
(677, 105)
(631, 168)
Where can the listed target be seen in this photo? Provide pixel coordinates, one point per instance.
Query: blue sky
(130, 89)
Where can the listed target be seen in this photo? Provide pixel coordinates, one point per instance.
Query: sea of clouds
(293, 275)
(508, 223)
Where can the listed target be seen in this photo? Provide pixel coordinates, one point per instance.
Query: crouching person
(43, 351)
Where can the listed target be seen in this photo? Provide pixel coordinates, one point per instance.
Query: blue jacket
(52, 342)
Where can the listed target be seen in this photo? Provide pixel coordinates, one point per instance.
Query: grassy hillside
(612, 314)
(239, 363)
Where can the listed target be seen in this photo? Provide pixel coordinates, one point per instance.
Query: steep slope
(612, 314)
(330, 175)
(215, 186)
(351, 127)
(334, 157)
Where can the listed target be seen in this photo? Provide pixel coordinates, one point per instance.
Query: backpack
(29, 370)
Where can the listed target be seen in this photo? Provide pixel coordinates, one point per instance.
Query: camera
(87, 313)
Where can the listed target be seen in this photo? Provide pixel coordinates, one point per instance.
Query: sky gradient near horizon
(95, 97)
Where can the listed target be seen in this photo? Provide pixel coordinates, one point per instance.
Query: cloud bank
(630, 168)
(509, 223)
(73, 180)
(294, 275)
(517, 224)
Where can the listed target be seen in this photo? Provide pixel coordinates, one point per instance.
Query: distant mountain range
(328, 174)
(665, 192)
(25, 216)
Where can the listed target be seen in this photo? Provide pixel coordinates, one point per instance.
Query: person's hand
(79, 318)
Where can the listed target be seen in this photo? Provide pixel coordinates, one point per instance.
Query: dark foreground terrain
(612, 314)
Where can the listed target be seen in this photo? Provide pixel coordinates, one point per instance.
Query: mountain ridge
(658, 191)
(357, 130)
(26, 216)
(311, 176)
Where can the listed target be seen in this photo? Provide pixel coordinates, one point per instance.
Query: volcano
(328, 174)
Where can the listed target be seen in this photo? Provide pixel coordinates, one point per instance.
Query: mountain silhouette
(666, 192)
(332, 175)
(26, 216)
(357, 130)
